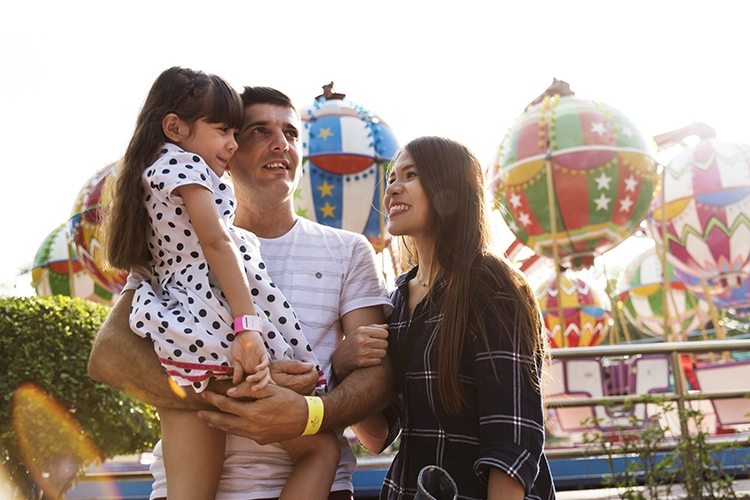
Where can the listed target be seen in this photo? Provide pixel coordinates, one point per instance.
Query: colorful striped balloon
(57, 271)
(84, 228)
(586, 320)
(707, 198)
(346, 151)
(602, 171)
(642, 294)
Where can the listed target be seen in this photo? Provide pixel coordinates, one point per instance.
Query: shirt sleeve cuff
(394, 426)
(510, 459)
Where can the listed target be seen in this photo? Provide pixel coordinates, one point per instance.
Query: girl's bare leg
(316, 459)
(193, 455)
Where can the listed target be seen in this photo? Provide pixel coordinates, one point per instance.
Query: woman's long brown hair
(479, 286)
(189, 94)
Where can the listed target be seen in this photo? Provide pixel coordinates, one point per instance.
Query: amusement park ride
(572, 180)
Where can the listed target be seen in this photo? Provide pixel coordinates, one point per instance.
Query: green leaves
(643, 469)
(46, 341)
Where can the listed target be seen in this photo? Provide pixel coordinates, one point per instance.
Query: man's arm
(366, 390)
(123, 360)
(281, 414)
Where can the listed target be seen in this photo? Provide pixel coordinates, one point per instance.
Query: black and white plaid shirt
(502, 427)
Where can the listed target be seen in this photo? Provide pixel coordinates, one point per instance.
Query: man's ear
(174, 128)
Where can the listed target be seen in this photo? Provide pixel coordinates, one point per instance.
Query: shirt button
(318, 275)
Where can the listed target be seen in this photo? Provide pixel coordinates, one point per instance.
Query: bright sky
(75, 74)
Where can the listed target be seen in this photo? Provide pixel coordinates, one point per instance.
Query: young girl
(172, 214)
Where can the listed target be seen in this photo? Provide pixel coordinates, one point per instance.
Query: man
(329, 277)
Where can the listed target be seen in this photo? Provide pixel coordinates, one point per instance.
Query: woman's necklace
(424, 283)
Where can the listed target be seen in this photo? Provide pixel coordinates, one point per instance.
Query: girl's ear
(174, 128)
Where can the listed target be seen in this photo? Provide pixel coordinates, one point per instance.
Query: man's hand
(298, 376)
(280, 414)
(277, 415)
(363, 347)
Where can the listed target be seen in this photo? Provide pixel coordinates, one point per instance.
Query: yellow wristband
(314, 415)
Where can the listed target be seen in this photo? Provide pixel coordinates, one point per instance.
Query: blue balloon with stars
(346, 152)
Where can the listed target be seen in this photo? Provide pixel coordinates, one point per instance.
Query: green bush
(46, 341)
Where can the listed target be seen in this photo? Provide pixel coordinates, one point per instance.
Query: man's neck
(266, 221)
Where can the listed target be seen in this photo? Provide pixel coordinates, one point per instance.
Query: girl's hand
(295, 375)
(261, 377)
(249, 356)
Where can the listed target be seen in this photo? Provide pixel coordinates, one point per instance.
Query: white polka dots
(182, 309)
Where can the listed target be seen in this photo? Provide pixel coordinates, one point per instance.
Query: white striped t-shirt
(324, 273)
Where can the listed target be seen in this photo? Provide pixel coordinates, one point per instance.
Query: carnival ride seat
(731, 376)
(588, 375)
(585, 378)
(569, 419)
(650, 374)
(576, 379)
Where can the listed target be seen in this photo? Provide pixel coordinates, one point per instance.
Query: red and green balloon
(603, 178)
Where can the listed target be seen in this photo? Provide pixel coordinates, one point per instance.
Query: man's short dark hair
(266, 95)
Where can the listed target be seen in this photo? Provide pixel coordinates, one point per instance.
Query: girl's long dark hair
(191, 95)
(479, 285)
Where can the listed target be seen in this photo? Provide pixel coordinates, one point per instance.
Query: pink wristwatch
(247, 322)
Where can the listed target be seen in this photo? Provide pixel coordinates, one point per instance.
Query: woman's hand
(365, 346)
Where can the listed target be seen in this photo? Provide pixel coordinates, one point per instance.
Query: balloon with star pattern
(346, 151)
(707, 221)
(585, 310)
(642, 295)
(84, 230)
(603, 178)
(57, 271)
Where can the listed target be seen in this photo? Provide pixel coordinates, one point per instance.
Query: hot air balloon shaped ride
(586, 319)
(723, 296)
(645, 304)
(57, 271)
(346, 150)
(573, 176)
(703, 216)
(84, 226)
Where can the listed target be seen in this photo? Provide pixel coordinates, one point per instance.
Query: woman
(465, 339)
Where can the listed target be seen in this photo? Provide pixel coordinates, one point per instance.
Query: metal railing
(680, 395)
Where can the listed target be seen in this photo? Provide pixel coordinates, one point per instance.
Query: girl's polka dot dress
(182, 308)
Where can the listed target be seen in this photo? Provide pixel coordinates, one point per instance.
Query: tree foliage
(46, 341)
